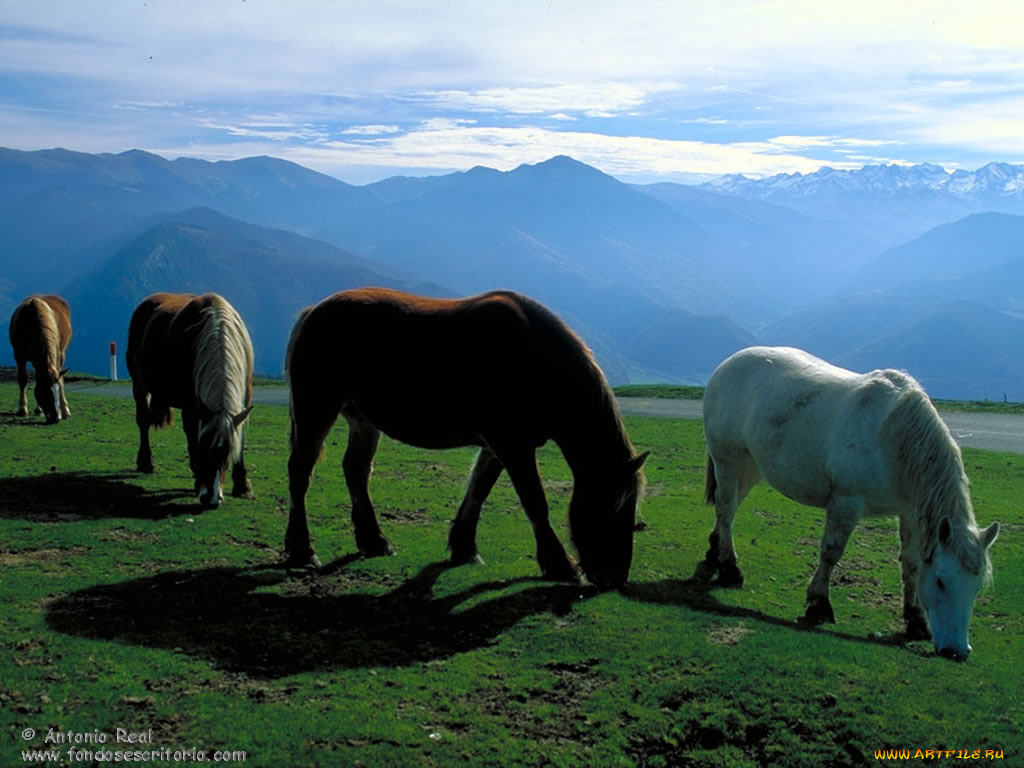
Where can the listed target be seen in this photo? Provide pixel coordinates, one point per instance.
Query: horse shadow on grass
(697, 595)
(266, 623)
(69, 496)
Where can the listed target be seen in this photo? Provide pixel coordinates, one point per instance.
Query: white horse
(853, 444)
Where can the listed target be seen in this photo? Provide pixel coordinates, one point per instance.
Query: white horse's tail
(710, 482)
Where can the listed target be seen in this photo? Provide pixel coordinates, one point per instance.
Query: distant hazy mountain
(268, 275)
(663, 281)
(610, 259)
(956, 349)
(958, 251)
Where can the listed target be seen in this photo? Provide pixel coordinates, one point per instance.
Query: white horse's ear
(945, 531)
(988, 536)
(638, 461)
(237, 420)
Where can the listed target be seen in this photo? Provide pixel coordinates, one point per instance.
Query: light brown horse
(496, 370)
(40, 332)
(194, 353)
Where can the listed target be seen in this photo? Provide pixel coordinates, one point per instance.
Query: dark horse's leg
(22, 388)
(310, 425)
(521, 466)
(190, 423)
(240, 486)
(144, 459)
(357, 464)
(462, 536)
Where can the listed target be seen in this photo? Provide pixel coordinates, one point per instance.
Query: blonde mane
(50, 336)
(929, 472)
(220, 375)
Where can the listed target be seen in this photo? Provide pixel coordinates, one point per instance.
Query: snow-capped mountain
(992, 180)
(889, 203)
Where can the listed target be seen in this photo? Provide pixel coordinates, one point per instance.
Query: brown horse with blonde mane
(497, 370)
(194, 353)
(40, 332)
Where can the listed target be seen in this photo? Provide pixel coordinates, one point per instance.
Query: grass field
(122, 606)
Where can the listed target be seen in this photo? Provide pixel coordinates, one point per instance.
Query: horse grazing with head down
(194, 353)
(40, 332)
(496, 370)
(855, 444)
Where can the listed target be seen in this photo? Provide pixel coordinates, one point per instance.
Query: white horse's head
(949, 586)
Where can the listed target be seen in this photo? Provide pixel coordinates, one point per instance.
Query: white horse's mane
(220, 375)
(929, 472)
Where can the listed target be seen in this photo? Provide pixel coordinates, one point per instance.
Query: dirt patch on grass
(528, 712)
(728, 636)
(14, 559)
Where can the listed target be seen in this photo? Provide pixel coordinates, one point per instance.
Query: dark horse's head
(602, 516)
(48, 384)
(218, 444)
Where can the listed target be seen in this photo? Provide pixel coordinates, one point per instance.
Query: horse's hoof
(565, 571)
(729, 575)
(146, 469)
(243, 492)
(378, 548)
(308, 562)
(819, 612)
(22, 412)
(705, 571)
(473, 558)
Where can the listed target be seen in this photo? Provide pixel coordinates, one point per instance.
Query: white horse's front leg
(910, 565)
(841, 518)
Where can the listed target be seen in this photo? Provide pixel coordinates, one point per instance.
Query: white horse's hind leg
(841, 518)
(732, 482)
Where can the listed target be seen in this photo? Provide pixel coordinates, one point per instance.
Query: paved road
(990, 431)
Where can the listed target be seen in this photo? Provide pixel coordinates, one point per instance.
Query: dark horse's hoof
(568, 572)
(729, 575)
(375, 547)
(308, 562)
(243, 493)
(471, 558)
(819, 612)
(705, 571)
(146, 469)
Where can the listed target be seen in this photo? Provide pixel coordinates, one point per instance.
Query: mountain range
(885, 266)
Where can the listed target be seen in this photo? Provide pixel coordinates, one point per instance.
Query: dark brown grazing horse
(40, 333)
(496, 370)
(194, 353)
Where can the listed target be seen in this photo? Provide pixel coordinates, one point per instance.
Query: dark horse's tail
(710, 482)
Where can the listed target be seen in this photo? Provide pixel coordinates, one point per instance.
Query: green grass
(122, 606)
(670, 391)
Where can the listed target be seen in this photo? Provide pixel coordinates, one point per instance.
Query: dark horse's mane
(574, 355)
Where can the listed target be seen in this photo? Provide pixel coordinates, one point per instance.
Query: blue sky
(645, 90)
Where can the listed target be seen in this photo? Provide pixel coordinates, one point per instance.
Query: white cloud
(459, 146)
(370, 130)
(604, 99)
(767, 83)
